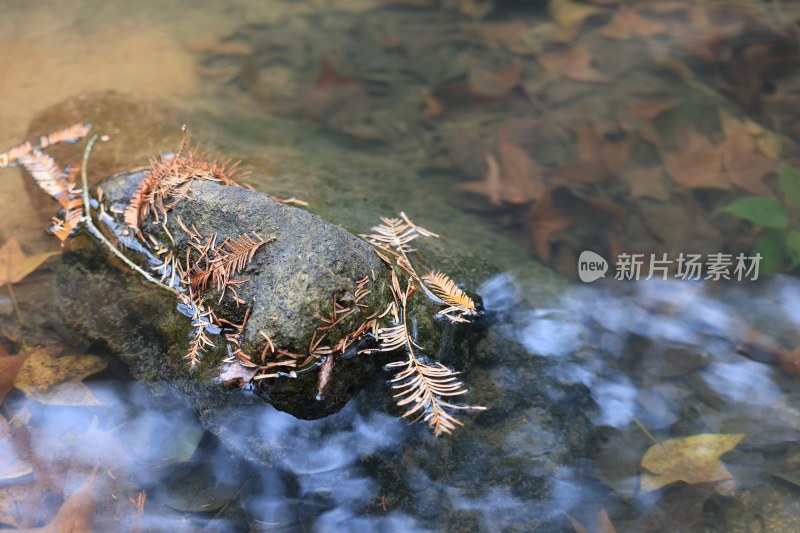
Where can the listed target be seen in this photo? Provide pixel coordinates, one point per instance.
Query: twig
(98, 234)
(645, 431)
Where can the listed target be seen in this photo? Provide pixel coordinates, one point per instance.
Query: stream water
(631, 363)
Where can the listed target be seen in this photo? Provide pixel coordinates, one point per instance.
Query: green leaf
(790, 184)
(760, 210)
(793, 248)
(770, 246)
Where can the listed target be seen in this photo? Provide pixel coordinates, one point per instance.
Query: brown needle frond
(444, 288)
(70, 134)
(169, 179)
(232, 257)
(46, 173)
(62, 227)
(60, 186)
(10, 156)
(421, 387)
(146, 196)
(200, 166)
(397, 233)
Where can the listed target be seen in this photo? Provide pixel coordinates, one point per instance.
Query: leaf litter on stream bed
(665, 96)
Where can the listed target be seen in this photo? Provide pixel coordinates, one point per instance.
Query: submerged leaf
(15, 265)
(692, 460)
(569, 15)
(495, 84)
(574, 63)
(746, 166)
(9, 367)
(697, 164)
(13, 499)
(12, 466)
(57, 380)
(77, 513)
(627, 23)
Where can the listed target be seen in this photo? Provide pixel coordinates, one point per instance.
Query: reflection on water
(659, 360)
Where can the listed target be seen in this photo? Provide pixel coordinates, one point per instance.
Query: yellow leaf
(57, 380)
(9, 367)
(15, 265)
(12, 466)
(569, 14)
(692, 459)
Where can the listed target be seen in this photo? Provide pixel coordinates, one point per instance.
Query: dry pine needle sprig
(169, 179)
(419, 386)
(71, 134)
(396, 233)
(60, 186)
(228, 259)
(459, 304)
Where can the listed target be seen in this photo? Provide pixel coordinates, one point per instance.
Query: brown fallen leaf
(340, 102)
(508, 35)
(433, 106)
(15, 265)
(76, 515)
(576, 525)
(545, 220)
(15, 500)
(747, 167)
(490, 186)
(594, 148)
(766, 141)
(9, 367)
(488, 84)
(237, 373)
(604, 524)
(522, 177)
(574, 63)
(12, 464)
(692, 460)
(569, 15)
(627, 23)
(646, 182)
(640, 117)
(697, 164)
(57, 380)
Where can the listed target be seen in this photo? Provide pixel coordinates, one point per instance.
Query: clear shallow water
(659, 361)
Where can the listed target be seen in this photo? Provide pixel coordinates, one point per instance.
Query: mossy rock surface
(108, 304)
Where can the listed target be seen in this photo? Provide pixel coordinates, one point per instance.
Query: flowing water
(632, 369)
